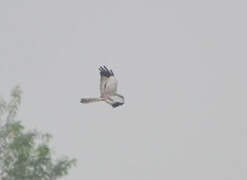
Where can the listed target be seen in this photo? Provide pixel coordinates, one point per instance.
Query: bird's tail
(90, 100)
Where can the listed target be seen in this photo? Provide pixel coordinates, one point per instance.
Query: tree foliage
(26, 155)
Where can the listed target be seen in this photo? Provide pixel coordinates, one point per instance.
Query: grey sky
(181, 66)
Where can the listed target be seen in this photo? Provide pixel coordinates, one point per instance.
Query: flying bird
(108, 89)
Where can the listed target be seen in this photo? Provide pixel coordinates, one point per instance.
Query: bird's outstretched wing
(108, 82)
(90, 100)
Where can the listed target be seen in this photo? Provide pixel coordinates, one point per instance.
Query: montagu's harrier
(108, 89)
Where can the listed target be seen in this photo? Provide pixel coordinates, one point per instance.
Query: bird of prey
(108, 89)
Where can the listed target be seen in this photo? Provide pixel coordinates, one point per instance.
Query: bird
(108, 89)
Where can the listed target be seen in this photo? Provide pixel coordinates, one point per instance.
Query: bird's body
(108, 89)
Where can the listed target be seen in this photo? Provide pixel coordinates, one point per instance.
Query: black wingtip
(112, 73)
(104, 71)
(117, 104)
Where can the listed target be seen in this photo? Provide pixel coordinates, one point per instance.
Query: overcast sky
(181, 66)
